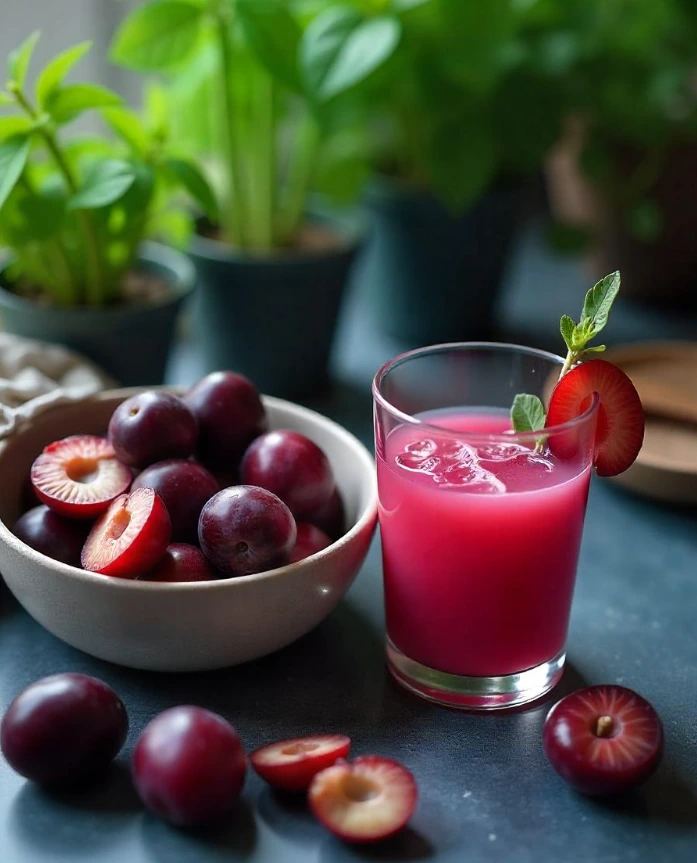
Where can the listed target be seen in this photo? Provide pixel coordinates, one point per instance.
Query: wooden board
(665, 374)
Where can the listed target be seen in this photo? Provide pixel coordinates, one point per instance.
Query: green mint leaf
(53, 73)
(527, 413)
(13, 158)
(66, 103)
(568, 329)
(341, 48)
(598, 302)
(158, 35)
(596, 349)
(19, 59)
(105, 183)
(5, 99)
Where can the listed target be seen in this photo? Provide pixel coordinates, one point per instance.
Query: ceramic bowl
(183, 627)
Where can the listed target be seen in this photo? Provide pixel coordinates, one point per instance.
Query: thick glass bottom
(474, 693)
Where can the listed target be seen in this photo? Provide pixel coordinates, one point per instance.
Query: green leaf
(156, 110)
(567, 327)
(10, 126)
(598, 302)
(13, 158)
(274, 36)
(53, 74)
(128, 126)
(340, 48)
(105, 183)
(157, 36)
(19, 59)
(527, 413)
(5, 99)
(195, 184)
(66, 103)
(596, 349)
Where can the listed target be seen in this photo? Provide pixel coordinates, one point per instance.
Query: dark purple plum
(310, 540)
(230, 415)
(292, 467)
(185, 487)
(152, 426)
(53, 535)
(189, 766)
(245, 529)
(182, 562)
(63, 729)
(603, 739)
(330, 518)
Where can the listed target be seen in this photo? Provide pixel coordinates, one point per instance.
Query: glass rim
(379, 398)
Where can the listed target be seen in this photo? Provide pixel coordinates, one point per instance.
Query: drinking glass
(480, 526)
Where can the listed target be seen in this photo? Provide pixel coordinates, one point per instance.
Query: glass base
(474, 693)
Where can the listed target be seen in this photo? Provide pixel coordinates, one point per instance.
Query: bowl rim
(366, 519)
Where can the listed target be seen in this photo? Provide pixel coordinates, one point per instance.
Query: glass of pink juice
(480, 526)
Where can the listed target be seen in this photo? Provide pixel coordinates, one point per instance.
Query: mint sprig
(528, 411)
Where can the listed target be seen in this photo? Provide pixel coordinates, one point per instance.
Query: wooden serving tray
(665, 375)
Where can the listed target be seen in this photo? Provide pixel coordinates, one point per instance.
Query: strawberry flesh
(292, 764)
(620, 421)
(79, 476)
(131, 536)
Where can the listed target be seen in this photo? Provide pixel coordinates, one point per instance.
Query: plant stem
(266, 160)
(300, 175)
(233, 215)
(571, 358)
(91, 240)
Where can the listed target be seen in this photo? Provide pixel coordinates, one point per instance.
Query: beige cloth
(35, 376)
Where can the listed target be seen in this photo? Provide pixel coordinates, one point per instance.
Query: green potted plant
(621, 177)
(272, 271)
(462, 108)
(74, 212)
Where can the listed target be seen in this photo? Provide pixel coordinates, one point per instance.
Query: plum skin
(152, 426)
(189, 765)
(245, 529)
(63, 729)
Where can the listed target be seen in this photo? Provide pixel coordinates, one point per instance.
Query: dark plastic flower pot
(130, 342)
(272, 318)
(435, 276)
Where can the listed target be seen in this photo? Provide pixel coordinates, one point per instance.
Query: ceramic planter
(131, 342)
(435, 276)
(272, 318)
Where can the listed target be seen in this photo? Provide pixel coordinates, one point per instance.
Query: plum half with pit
(185, 487)
(230, 414)
(53, 535)
(292, 467)
(245, 529)
(152, 426)
(63, 729)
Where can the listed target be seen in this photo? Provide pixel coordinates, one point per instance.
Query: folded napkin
(35, 376)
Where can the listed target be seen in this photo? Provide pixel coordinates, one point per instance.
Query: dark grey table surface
(487, 793)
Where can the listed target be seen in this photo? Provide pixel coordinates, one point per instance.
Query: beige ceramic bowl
(183, 627)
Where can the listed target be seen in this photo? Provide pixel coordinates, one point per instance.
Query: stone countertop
(487, 793)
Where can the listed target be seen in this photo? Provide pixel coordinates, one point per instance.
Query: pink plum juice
(480, 544)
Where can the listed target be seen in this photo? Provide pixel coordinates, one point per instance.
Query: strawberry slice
(293, 764)
(620, 428)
